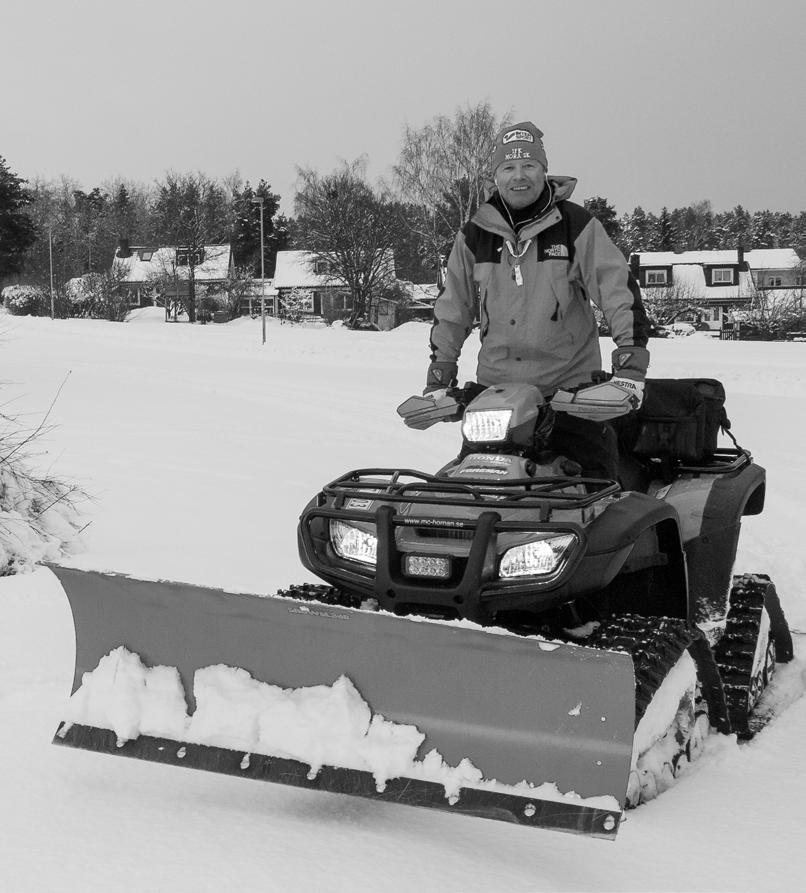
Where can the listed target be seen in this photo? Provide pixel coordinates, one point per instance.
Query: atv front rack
(545, 494)
(371, 497)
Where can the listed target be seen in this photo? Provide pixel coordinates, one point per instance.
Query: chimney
(635, 264)
(123, 248)
(740, 255)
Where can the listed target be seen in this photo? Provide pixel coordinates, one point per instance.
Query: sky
(646, 102)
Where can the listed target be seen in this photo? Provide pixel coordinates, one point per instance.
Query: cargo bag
(679, 420)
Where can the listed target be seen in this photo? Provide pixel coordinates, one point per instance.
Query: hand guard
(423, 412)
(598, 403)
(634, 388)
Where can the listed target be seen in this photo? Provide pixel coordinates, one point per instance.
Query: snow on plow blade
(548, 728)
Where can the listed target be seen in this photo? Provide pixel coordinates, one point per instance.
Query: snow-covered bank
(201, 447)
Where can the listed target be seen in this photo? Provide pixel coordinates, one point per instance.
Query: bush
(25, 300)
(97, 296)
(39, 517)
(206, 306)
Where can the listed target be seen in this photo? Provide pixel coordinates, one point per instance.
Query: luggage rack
(427, 489)
(722, 461)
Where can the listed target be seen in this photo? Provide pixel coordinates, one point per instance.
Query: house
(776, 268)
(258, 291)
(308, 279)
(419, 306)
(716, 282)
(305, 277)
(144, 266)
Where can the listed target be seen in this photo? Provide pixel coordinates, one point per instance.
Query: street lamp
(52, 294)
(259, 201)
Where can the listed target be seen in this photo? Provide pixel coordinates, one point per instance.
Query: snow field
(200, 447)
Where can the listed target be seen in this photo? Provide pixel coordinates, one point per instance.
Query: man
(529, 263)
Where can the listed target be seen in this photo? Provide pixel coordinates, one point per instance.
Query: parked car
(678, 329)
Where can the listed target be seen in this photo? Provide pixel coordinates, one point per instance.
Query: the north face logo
(522, 136)
(558, 250)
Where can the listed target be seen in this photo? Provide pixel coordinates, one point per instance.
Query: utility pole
(52, 295)
(259, 201)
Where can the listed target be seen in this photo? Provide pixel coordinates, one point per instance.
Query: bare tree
(444, 168)
(190, 213)
(236, 289)
(775, 312)
(350, 229)
(664, 304)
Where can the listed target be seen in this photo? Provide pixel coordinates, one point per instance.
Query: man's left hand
(634, 388)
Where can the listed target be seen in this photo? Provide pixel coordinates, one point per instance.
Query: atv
(560, 645)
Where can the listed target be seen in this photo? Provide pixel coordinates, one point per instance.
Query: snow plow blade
(547, 726)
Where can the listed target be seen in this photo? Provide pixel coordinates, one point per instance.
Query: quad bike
(574, 639)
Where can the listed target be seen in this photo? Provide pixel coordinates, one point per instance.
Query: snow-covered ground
(200, 446)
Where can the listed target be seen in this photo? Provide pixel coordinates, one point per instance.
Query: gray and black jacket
(536, 322)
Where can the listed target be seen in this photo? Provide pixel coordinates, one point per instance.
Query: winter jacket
(542, 331)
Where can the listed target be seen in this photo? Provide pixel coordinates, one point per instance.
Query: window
(723, 276)
(183, 256)
(774, 281)
(656, 277)
(146, 254)
(321, 267)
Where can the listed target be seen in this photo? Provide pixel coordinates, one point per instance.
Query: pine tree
(246, 228)
(765, 230)
(666, 235)
(605, 213)
(636, 231)
(17, 231)
(738, 229)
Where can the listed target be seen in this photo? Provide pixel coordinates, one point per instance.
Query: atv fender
(635, 533)
(710, 507)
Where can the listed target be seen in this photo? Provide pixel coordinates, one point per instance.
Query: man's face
(520, 182)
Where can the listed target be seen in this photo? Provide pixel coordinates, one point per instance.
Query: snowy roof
(145, 263)
(295, 269)
(758, 258)
(256, 288)
(772, 258)
(689, 280)
(427, 293)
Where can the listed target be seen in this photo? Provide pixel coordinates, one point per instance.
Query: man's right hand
(440, 377)
(435, 393)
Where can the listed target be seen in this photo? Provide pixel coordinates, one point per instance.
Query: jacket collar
(489, 217)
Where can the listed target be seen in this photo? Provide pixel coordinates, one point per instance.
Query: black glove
(630, 362)
(440, 377)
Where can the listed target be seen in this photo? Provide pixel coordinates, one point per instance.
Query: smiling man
(527, 267)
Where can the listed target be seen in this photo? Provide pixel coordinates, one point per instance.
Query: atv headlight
(487, 426)
(354, 542)
(537, 559)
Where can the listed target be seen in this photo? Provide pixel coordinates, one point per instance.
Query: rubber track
(318, 592)
(736, 649)
(656, 645)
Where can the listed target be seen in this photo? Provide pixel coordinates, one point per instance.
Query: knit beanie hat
(518, 142)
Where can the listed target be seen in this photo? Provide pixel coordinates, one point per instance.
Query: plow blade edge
(519, 709)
